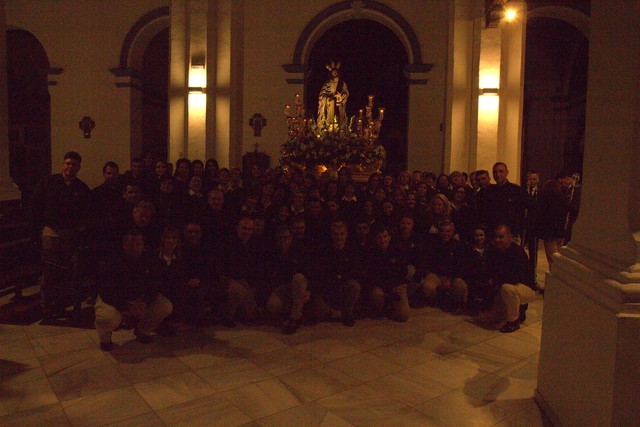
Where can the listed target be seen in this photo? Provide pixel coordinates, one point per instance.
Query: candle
(381, 113)
(298, 99)
(287, 110)
(370, 100)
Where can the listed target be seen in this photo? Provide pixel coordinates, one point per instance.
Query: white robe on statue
(334, 94)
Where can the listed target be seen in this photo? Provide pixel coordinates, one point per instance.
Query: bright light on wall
(489, 80)
(488, 108)
(197, 101)
(198, 77)
(510, 15)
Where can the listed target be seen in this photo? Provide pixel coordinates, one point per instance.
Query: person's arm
(524, 271)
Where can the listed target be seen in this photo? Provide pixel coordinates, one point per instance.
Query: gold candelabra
(297, 123)
(355, 146)
(367, 127)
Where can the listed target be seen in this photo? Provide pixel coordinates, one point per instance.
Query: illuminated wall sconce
(490, 91)
(198, 75)
(496, 10)
(510, 15)
(197, 62)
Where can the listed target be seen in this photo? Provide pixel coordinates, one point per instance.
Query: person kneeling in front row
(285, 277)
(387, 278)
(511, 279)
(127, 288)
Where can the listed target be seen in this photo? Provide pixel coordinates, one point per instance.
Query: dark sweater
(511, 266)
(124, 280)
(58, 205)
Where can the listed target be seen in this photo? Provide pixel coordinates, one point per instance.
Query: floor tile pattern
(437, 369)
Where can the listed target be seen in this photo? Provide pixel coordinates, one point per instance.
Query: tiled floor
(436, 369)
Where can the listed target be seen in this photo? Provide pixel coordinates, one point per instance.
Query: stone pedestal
(589, 372)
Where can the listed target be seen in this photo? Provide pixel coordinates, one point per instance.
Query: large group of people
(197, 244)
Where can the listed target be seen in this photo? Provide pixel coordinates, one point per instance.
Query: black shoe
(106, 346)
(510, 327)
(290, 326)
(523, 313)
(143, 338)
(348, 321)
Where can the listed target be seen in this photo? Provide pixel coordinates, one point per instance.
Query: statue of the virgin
(332, 102)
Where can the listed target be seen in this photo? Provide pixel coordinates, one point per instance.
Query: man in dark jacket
(444, 263)
(508, 201)
(511, 278)
(387, 277)
(335, 276)
(127, 286)
(59, 209)
(242, 271)
(286, 274)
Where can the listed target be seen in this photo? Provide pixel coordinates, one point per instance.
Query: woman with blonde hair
(438, 210)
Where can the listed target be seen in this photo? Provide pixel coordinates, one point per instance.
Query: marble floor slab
(436, 369)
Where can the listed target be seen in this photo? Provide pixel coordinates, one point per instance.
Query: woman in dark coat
(551, 220)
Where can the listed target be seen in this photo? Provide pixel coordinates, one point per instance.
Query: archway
(144, 35)
(155, 83)
(29, 110)
(373, 61)
(556, 62)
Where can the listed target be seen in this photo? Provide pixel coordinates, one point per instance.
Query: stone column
(489, 99)
(224, 25)
(512, 45)
(8, 190)
(178, 80)
(236, 117)
(220, 100)
(462, 106)
(589, 372)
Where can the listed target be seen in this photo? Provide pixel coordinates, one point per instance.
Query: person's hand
(193, 283)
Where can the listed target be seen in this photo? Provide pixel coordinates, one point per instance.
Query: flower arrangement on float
(331, 147)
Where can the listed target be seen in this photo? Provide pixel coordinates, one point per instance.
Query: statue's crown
(333, 66)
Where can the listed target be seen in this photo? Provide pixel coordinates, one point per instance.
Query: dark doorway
(372, 60)
(556, 63)
(29, 110)
(155, 82)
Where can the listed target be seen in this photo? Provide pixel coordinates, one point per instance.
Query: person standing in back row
(58, 210)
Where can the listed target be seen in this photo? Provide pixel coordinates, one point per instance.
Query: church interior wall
(272, 29)
(86, 42)
(84, 39)
(430, 21)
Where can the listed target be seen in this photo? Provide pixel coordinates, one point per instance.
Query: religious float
(333, 141)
